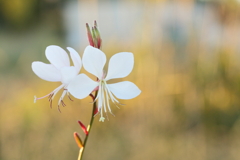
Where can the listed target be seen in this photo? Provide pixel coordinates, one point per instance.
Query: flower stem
(81, 151)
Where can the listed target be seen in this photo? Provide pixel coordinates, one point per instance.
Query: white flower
(120, 65)
(59, 70)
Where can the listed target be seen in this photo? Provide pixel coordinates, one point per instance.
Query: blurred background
(187, 56)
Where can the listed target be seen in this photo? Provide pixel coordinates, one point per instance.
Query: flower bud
(83, 127)
(94, 37)
(89, 34)
(98, 38)
(78, 140)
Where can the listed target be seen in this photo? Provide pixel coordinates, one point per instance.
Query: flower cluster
(80, 85)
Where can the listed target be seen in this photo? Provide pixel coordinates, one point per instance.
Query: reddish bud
(99, 43)
(83, 127)
(78, 140)
(94, 37)
(98, 38)
(89, 34)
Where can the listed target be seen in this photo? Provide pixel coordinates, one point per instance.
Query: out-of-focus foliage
(18, 13)
(186, 64)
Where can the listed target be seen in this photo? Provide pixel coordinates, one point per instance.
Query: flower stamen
(108, 105)
(59, 109)
(50, 97)
(104, 96)
(69, 97)
(63, 104)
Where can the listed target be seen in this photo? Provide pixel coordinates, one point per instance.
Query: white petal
(75, 58)
(124, 90)
(120, 65)
(94, 61)
(57, 56)
(68, 73)
(46, 71)
(81, 86)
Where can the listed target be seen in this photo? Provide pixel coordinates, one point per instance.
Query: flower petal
(75, 58)
(120, 65)
(68, 74)
(57, 56)
(46, 71)
(124, 90)
(81, 86)
(94, 61)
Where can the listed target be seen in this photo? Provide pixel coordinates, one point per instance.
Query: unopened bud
(89, 34)
(94, 37)
(98, 37)
(78, 140)
(83, 127)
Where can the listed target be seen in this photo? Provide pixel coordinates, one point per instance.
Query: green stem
(81, 151)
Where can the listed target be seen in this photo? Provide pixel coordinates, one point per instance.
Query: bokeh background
(187, 56)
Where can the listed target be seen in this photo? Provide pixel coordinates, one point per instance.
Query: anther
(70, 98)
(50, 97)
(63, 104)
(59, 109)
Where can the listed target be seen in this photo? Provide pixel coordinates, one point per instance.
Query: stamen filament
(108, 105)
(50, 95)
(103, 97)
(57, 89)
(113, 99)
(110, 94)
(100, 99)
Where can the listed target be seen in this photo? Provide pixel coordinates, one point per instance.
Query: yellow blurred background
(187, 56)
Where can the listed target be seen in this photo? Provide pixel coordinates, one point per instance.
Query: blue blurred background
(187, 56)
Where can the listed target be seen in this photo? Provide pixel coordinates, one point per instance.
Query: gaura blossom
(120, 65)
(58, 71)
